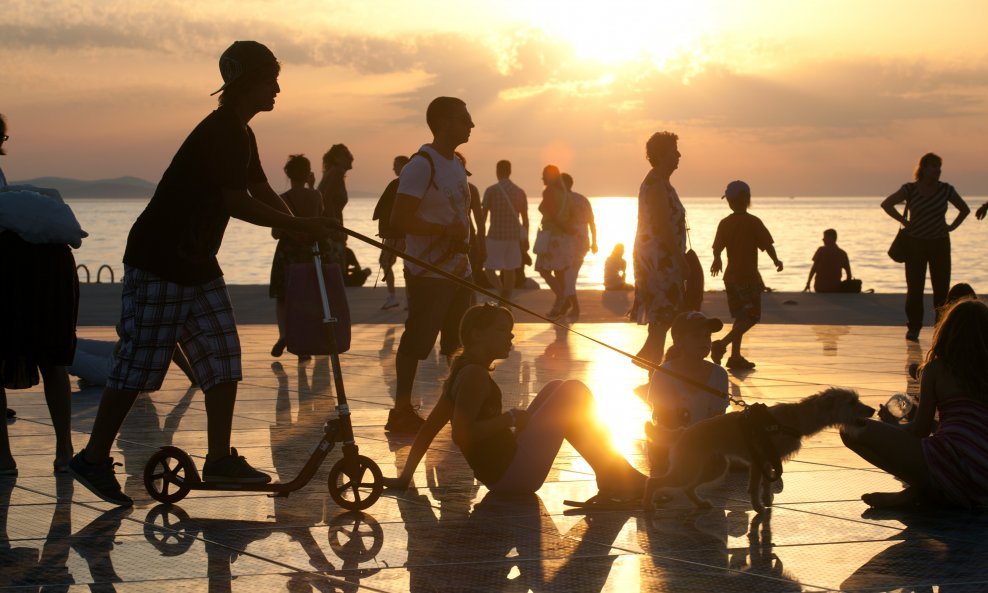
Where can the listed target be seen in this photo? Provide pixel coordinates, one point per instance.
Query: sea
(796, 224)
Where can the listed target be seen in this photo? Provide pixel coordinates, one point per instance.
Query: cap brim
(714, 325)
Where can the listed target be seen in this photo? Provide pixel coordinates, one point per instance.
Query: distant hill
(121, 187)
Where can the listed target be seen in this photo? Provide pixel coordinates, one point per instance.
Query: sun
(620, 31)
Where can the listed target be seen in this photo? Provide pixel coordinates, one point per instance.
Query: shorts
(156, 314)
(745, 300)
(435, 305)
(503, 254)
(387, 258)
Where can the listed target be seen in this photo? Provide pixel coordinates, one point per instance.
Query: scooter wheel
(168, 473)
(355, 537)
(165, 528)
(355, 482)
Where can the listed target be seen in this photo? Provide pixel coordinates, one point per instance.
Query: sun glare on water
(619, 31)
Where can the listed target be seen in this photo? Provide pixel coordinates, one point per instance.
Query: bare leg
(566, 410)
(389, 279)
(6, 459)
(58, 394)
(507, 284)
(654, 347)
(892, 449)
(405, 368)
(281, 313)
(220, 401)
(740, 327)
(113, 409)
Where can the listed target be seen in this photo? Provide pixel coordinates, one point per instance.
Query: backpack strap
(432, 167)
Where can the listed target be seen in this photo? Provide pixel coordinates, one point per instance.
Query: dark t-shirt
(179, 234)
(382, 212)
(829, 261)
(742, 234)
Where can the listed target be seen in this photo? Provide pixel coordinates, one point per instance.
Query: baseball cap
(243, 57)
(735, 189)
(692, 322)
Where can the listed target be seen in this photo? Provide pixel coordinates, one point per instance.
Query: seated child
(828, 261)
(614, 270)
(675, 403)
(947, 464)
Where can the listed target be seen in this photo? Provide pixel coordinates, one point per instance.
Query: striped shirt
(957, 453)
(926, 213)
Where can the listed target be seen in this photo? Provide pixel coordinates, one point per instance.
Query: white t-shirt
(667, 392)
(444, 202)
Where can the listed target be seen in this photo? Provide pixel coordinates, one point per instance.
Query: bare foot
(905, 498)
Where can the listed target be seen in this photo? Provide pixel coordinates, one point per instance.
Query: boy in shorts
(173, 289)
(742, 235)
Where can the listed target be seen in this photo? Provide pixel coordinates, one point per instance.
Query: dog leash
(466, 283)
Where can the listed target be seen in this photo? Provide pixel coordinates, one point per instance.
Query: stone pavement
(448, 534)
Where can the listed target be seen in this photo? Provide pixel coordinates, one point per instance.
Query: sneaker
(404, 421)
(99, 478)
(717, 351)
(279, 348)
(232, 469)
(390, 303)
(912, 336)
(739, 363)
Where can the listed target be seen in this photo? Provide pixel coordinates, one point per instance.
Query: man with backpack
(431, 210)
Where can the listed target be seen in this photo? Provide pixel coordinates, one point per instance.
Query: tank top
(490, 457)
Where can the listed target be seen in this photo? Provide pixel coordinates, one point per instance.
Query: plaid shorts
(745, 300)
(156, 314)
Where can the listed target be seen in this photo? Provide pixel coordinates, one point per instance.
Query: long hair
(960, 341)
(3, 130)
(926, 160)
(476, 317)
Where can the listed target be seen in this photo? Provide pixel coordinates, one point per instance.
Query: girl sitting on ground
(675, 403)
(947, 465)
(517, 461)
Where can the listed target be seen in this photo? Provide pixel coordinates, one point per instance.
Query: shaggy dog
(704, 450)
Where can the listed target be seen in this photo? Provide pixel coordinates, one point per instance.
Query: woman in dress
(292, 249)
(927, 236)
(560, 252)
(660, 247)
(39, 303)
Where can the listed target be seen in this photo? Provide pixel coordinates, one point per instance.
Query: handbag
(693, 281)
(899, 248)
(851, 285)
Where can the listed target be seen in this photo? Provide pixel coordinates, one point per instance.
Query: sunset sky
(813, 97)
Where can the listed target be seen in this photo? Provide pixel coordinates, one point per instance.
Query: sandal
(605, 502)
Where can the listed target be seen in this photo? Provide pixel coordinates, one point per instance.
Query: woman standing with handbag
(555, 244)
(925, 237)
(660, 247)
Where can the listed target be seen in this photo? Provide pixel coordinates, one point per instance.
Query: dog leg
(714, 469)
(768, 497)
(755, 488)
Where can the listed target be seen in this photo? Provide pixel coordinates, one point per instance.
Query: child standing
(742, 234)
(675, 403)
(828, 262)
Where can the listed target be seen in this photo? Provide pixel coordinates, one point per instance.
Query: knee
(850, 436)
